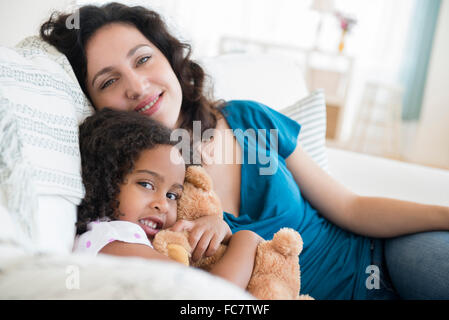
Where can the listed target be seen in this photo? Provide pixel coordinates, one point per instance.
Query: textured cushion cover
(310, 112)
(41, 105)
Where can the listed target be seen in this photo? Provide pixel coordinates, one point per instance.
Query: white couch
(52, 272)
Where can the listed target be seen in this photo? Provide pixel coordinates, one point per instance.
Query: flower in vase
(346, 22)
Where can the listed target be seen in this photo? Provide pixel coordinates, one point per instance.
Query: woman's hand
(206, 234)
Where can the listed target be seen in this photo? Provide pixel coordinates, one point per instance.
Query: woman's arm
(385, 217)
(237, 263)
(369, 216)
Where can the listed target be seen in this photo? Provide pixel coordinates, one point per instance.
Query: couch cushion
(41, 105)
(271, 79)
(310, 112)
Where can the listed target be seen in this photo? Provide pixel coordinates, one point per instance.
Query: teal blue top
(333, 261)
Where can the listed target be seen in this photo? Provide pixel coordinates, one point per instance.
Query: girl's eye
(143, 60)
(146, 185)
(107, 84)
(172, 196)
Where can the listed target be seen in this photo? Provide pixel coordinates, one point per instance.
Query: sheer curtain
(413, 73)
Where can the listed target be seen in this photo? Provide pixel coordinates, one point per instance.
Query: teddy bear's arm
(178, 253)
(173, 245)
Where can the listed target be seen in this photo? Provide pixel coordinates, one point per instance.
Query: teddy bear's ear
(198, 177)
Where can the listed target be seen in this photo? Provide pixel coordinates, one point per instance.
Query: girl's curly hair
(196, 106)
(110, 143)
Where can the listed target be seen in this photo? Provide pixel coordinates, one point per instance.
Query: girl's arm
(125, 249)
(237, 263)
(369, 216)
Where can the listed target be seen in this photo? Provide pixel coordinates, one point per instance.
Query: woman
(124, 58)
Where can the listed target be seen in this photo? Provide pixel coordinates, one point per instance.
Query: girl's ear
(117, 214)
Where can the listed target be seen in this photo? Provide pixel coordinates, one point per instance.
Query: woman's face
(125, 71)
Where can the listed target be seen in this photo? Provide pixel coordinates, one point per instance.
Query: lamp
(322, 7)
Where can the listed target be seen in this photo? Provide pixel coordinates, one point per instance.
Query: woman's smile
(150, 105)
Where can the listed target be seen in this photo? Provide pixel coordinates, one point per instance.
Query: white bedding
(27, 276)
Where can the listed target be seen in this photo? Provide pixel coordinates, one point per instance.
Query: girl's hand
(206, 234)
(237, 263)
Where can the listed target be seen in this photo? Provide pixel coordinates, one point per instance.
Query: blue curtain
(413, 72)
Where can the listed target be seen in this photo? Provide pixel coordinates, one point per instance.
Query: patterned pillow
(310, 112)
(41, 106)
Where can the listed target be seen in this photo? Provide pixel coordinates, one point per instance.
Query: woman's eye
(143, 60)
(146, 185)
(107, 84)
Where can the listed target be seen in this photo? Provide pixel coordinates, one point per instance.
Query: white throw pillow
(41, 105)
(310, 113)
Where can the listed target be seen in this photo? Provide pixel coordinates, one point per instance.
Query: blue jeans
(414, 266)
(384, 289)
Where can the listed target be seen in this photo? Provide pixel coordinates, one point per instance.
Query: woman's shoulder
(248, 104)
(248, 111)
(254, 114)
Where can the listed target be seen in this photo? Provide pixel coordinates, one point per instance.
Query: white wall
(432, 138)
(22, 18)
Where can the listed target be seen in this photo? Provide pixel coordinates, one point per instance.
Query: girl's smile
(151, 225)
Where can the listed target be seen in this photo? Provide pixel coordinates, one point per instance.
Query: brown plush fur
(276, 273)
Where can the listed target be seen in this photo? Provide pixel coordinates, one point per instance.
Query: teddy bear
(276, 272)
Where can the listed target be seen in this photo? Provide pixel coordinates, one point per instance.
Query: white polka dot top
(99, 234)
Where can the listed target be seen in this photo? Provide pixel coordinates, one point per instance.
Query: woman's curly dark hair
(110, 143)
(72, 42)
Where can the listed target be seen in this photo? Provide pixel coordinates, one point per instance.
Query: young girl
(125, 58)
(133, 176)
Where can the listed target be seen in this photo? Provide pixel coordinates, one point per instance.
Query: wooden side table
(332, 72)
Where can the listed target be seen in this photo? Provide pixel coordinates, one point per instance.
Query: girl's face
(150, 193)
(125, 71)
